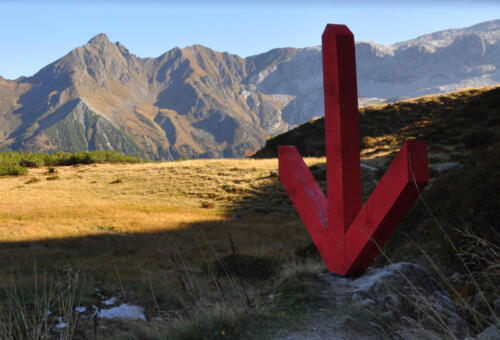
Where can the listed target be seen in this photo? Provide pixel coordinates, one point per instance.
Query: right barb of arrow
(347, 235)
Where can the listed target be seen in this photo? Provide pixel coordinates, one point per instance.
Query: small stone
(62, 325)
(395, 288)
(389, 314)
(443, 167)
(479, 298)
(356, 297)
(455, 277)
(368, 303)
(496, 305)
(110, 301)
(80, 309)
(490, 333)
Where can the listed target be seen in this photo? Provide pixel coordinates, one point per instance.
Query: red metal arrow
(347, 235)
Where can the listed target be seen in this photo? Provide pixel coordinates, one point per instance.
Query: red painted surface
(347, 235)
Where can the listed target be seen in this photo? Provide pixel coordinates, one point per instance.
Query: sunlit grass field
(200, 198)
(124, 199)
(128, 227)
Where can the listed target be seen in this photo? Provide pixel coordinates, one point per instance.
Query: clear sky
(36, 33)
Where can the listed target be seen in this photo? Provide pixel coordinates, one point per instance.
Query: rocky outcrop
(405, 293)
(401, 301)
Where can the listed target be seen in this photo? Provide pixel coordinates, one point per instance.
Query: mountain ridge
(196, 102)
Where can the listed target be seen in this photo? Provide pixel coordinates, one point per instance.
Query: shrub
(34, 160)
(12, 170)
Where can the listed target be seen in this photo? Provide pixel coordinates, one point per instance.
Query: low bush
(15, 163)
(9, 169)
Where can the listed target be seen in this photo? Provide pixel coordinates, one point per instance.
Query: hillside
(199, 103)
(454, 227)
(454, 125)
(213, 249)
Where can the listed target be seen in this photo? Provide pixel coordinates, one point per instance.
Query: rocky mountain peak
(99, 40)
(488, 31)
(124, 51)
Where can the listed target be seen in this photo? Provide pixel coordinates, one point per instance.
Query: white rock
(80, 309)
(110, 301)
(61, 323)
(368, 303)
(443, 167)
(123, 311)
(490, 333)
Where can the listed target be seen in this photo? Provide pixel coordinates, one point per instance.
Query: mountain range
(196, 102)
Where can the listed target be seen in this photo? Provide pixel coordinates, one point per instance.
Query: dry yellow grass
(164, 205)
(85, 198)
(134, 229)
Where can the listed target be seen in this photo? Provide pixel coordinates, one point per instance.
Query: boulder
(405, 295)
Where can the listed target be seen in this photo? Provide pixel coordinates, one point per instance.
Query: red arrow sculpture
(347, 235)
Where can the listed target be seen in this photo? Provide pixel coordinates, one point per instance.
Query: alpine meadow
(140, 198)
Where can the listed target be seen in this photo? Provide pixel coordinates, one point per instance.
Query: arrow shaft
(342, 137)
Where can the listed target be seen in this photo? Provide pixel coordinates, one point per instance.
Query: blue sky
(36, 33)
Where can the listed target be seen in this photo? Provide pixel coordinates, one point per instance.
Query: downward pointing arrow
(347, 235)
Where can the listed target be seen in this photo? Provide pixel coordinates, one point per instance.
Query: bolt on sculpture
(347, 235)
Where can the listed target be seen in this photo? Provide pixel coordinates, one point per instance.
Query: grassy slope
(122, 227)
(148, 232)
(459, 127)
(456, 221)
(451, 124)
